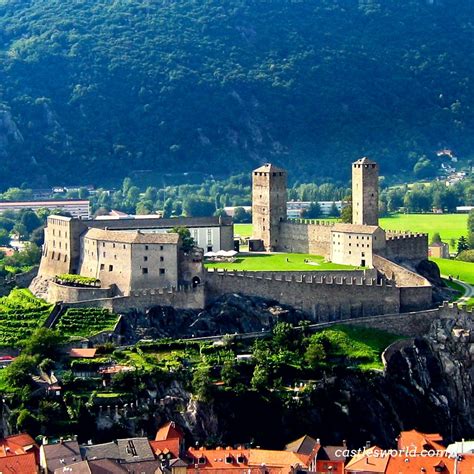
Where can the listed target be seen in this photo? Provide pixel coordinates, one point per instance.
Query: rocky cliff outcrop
(232, 313)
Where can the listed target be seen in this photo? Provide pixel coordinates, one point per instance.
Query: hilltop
(95, 89)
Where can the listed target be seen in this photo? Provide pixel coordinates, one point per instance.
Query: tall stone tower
(269, 196)
(365, 192)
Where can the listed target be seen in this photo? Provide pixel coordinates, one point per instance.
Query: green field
(449, 226)
(464, 270)
(279, 262)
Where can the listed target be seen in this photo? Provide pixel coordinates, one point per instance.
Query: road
(468, 290)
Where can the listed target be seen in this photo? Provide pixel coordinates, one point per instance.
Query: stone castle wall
(72, 294)
(325, 298)
(403, 246)
(143, 300)
(416, 292)
(300, 237)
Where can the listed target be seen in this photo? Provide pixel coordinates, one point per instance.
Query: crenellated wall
(141, 300)
(326, 298)
(405, 246)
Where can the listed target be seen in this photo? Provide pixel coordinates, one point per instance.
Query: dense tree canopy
(95, 91)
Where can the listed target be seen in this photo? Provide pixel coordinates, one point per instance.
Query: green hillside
(101, 90)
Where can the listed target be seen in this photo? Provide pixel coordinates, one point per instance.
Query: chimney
(45, 440)
(61, 440)
(344, 443)
(367, 444)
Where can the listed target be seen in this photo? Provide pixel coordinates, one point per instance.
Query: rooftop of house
(100, 451)
(135, 449)
(222, 458)
(427, 464)
(332, 453)
(82, 353)
(60, 454)
(416, 440)
(276, 458)
(168, 431)
(20, 464)
(371, 460)
(17, 444)
(304, 445)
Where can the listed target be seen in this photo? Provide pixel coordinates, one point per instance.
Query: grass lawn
(449, 226)
(278, 262)
(361, 346)
(465, 270)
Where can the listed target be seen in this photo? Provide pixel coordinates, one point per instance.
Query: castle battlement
(400, 234)
(311, 222)
(303, 279)
(448, 309)
(163, 291)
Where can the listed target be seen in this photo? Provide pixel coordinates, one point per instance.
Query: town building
(78, 208)
(438, 250)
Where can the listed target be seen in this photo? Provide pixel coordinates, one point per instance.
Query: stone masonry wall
(401, 246)
(71, 294)
(416, 292)
(299, 237)
(142, 300)
(325, 298)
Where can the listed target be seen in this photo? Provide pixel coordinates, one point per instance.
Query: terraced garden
(20, 314)
(86, 322)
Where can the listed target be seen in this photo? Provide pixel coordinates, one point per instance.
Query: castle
(353, 244)
(139, 264)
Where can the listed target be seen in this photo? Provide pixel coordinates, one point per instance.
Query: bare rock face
(232, 313)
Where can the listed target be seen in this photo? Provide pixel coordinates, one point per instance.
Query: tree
(462, 244)
(313, 211)
(424, 168)
(346, 213)
(334, 211)
(470, 221)
(436, 239)
(201, 383)
(229, 374)
(261, 379)
(37, 236)
(284, 335)
(30, 220)
(315, 353)
(18, 373)
(4, 237)
(167, 208)
(241, 216)
(187, 242)
(44, 343)
(198, 207)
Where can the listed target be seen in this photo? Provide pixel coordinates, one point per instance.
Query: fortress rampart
(326, 298)
(406, 246)
(297, 236)
(183, 297)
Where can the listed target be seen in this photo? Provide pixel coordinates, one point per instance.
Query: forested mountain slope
(94, 89)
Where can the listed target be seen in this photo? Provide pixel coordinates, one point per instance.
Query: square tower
(269, 197)
(365, 192)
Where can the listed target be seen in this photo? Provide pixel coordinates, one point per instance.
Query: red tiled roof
(17, 444)
(82, 353)
(414, 440)
(168, 431)
(370, 460)
(166, 445)
(20, 464)
(420, 464)
(216, 458)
